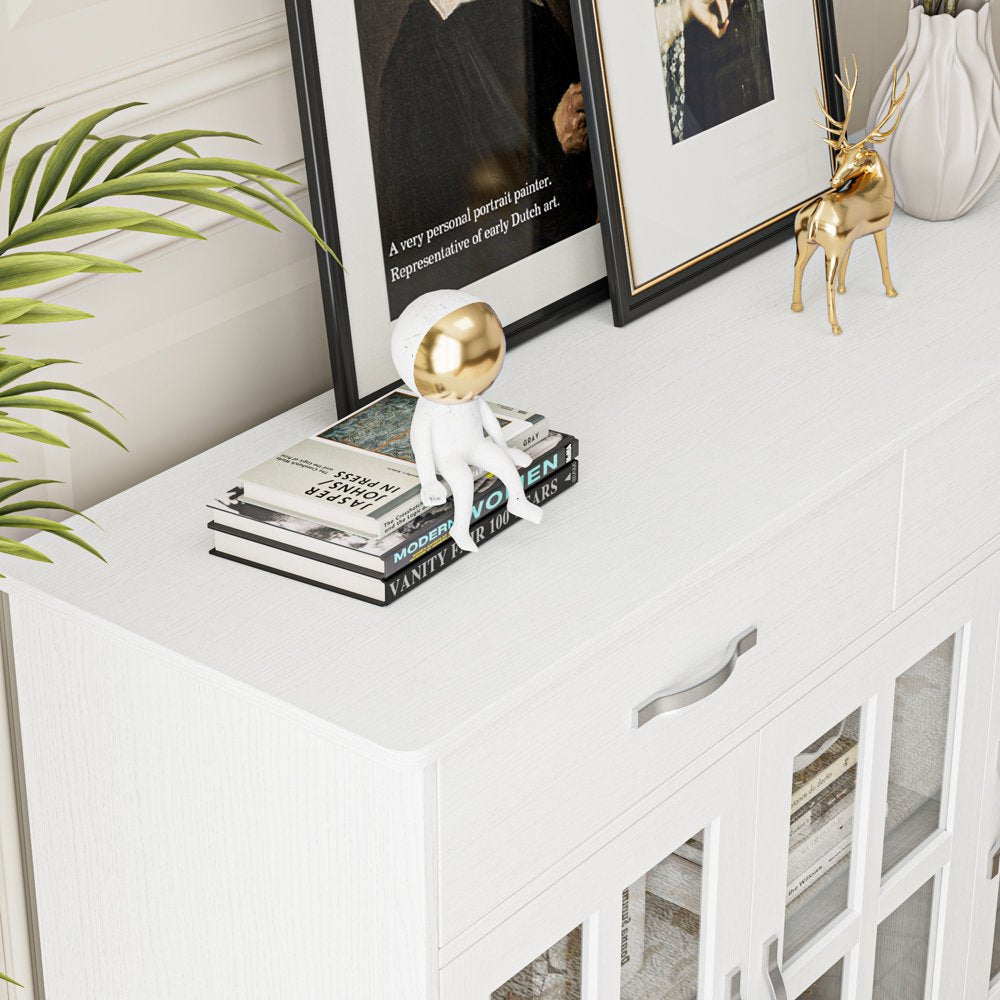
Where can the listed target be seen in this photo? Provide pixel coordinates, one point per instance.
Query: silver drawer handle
(671, 701)
(772, 971)
(995, 862)
(733, 986)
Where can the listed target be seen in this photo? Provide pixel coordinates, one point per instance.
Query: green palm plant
(71, 200)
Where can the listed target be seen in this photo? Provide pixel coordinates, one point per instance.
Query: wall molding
(140, 248)
(243, 57)
(168, 81)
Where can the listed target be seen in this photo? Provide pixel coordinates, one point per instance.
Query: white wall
(874, 30)
(212, 337)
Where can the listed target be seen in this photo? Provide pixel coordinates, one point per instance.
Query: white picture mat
(681, 201)
(514, 292)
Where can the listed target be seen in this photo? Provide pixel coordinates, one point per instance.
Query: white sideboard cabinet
(589, 761)
(889, 920)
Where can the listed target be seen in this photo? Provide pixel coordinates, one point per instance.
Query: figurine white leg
(491, 457)
(459, 477)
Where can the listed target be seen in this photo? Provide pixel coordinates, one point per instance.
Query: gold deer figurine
(860, 202)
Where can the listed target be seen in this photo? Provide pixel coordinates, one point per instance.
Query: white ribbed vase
(946, 151)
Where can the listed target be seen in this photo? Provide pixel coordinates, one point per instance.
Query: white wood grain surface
(553, 772)
(951, 495)
(190, 844)
(706, 428)
(717, 803)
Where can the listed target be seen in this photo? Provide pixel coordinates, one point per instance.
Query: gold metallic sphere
(461, 355)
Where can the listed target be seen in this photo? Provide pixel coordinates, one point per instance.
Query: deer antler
(837, 129)
(880, 133)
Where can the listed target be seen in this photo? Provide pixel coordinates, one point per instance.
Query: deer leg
(882, 242)
(804, 252)
(832, 266)
(842, 273)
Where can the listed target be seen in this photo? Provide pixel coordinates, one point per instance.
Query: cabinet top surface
(705, 428)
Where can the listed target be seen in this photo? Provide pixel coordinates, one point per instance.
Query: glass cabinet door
(660, 912)
(903, 945)
(556, 974)
(920, 753)
(983, 978)
(661, 927)
(824, 789)
(868, 812)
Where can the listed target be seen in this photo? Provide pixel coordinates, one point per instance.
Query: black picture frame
(319, 173)
(626, 303)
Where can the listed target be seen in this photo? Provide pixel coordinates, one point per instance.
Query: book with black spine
(360, 474)
(328, 574)
(233, 513)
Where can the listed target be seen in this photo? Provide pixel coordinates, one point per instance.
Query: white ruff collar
(448, 7)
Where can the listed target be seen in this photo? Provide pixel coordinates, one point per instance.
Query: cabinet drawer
(552, 773)
(951, 495)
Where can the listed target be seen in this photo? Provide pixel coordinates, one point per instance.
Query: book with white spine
(814, 843)
(826, 769)
(359, 475)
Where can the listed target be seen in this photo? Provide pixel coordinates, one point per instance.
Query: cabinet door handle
(734, 990)
(670, 701)
(772, 971)
(995, 862)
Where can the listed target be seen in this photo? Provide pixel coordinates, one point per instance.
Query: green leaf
(26, 521)
(165, 227)
(139, 184)
(54, 528)
(71, 536)
(96, 157)
(45, 312)
(23, 176)
(20, 269)
(218, 203)
(11, 400)
(3, 975)
(289, 209)
(20, 485)
(25, 505)
(19, 428)
(29, 387)
(7, 136)
(91, 264)
(244, 168)
(10, 372)
(9, 547)
(94, 425)
(12, 308)
(102, 151)
(93, 219)
(66, 148)
(161, 143)
(105, 265)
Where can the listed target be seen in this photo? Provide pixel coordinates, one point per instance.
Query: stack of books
(821, 828)
(342, 509)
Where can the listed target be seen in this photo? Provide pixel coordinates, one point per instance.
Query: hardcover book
(823, 771)
(360, 475)
(820, 805)
(382, 557)
(327, 573)
(814, 844)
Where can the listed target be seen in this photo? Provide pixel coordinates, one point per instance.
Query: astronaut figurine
(449, 347)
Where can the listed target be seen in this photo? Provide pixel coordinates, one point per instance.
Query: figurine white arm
(492, 427)
(432, 493)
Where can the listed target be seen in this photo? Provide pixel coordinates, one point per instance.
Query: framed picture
(446, 147)
(701, 132)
